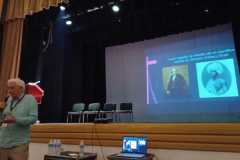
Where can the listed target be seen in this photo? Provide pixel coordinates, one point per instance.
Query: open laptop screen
(134, 145)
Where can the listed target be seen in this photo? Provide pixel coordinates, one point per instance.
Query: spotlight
(115, 8)
(68, 22)
(206, 10)
(62, 8)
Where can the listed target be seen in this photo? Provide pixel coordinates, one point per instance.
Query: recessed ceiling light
(62, 8)
(68, 22)
(115, 8)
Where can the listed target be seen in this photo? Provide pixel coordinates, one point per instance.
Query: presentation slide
(197, 73)
(186, 77)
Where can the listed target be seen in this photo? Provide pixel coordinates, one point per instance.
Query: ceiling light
(68, 22)
(62, 8)
(115, 8)
(206, 10)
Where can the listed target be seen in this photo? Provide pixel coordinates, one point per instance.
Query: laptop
(133, 147)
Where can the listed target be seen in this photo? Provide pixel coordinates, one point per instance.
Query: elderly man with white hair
(18, 116)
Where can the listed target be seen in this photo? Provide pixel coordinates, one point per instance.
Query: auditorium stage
(185, 136)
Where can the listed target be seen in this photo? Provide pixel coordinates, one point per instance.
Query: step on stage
(186, 136)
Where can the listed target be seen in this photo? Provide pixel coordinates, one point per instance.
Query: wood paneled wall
(196, 136)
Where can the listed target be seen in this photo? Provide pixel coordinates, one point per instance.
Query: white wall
(37, 151)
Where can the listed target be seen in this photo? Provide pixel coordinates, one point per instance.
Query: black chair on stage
(77, 110)
(107, 109)
(125, 108)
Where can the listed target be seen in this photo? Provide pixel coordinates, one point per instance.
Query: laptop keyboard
(132, 155)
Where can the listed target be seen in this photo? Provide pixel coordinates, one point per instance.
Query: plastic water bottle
(81, 151)
(50, 147)
(57, 146)
(60, 147)
(54, 147)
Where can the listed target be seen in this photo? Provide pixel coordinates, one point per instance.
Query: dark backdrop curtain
(84, 71)
(71, 70)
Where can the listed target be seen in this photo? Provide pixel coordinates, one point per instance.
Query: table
(149, 156)
(69, 155)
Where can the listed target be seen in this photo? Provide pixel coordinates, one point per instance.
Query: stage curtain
(11, 49)
(1, 7)
(12, 37)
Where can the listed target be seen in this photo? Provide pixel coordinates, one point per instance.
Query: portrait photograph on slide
(217, 79)
(176, 81)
